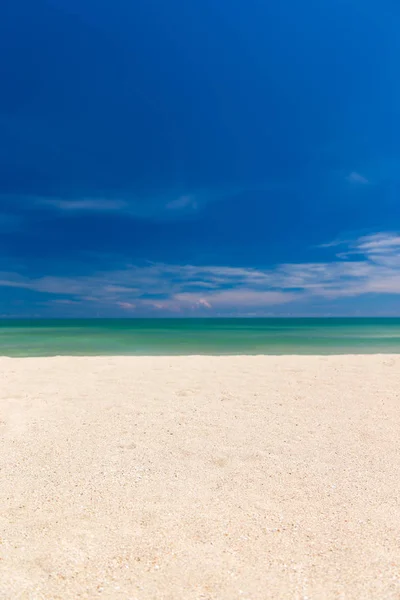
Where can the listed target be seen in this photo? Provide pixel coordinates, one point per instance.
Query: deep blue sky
(202, 157)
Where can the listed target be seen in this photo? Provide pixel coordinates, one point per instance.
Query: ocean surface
(198, 336)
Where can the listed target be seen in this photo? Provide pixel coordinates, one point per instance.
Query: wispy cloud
(233, 298)
(163, 207)
(151, 207)
(183, 202)
(171, 205)
(84, 205)
(381, 243)
(355, 177)
(126, 305)
(366, 265)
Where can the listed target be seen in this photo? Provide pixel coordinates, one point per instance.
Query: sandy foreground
(239, 478)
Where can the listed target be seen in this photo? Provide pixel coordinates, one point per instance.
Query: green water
(198, 336)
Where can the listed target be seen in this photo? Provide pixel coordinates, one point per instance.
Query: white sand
(200, 478)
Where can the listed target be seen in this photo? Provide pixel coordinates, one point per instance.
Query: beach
(200, 477)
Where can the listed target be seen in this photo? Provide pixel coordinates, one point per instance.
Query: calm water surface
(198, 336)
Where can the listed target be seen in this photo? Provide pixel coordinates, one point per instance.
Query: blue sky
(199, 158)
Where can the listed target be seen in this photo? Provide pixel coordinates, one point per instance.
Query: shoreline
(198, 356)
(217, 477)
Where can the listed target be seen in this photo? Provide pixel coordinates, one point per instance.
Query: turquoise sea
(198, 336)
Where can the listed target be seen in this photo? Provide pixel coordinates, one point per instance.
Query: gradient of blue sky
(209, 157)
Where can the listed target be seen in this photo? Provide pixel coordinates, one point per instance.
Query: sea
(95, 337)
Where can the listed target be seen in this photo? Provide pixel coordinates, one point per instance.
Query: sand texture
(232, 478)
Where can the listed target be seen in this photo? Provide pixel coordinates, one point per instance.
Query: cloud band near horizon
(366, 265)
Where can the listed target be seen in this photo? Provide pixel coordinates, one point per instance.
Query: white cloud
(235, 298)
(368, 264)
(378, 242)
(126, 305)
(204, 302)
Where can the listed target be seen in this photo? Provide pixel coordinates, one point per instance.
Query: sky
(203, 158)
